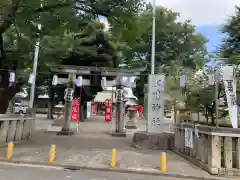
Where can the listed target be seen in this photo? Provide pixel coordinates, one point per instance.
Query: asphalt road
(16, 172)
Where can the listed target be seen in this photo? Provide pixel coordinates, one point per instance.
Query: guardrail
(215, 149)
(16, 128)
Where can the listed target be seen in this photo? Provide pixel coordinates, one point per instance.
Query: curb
(116, 170)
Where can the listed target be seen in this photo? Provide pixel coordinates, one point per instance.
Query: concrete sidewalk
(91, 148)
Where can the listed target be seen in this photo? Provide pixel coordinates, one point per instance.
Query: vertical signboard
(155, 102)
(229, 80)
(89, 109)
(75, 111)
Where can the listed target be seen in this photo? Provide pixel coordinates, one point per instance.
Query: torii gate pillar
(119, 122)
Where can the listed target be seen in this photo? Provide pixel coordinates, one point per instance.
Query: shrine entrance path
(91, 148)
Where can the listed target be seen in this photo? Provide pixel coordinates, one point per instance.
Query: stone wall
(16, 128)
(158, 141)
(215, 149)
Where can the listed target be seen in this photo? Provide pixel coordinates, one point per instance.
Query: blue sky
(213, 34)
(206, 15)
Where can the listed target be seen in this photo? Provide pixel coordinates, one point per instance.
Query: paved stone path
(92, 146)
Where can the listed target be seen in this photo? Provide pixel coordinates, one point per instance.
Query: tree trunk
(50, 102)
(212, 116)
(206, 116)
(85, 111)
(81, 113)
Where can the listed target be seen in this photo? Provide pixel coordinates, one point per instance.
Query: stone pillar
(187, 150)
(198, 153)
(238, 153)
(11, 131)
(228, 152)
(214, 153)
(206, 147)
(119, 127)
(19, 130)
(201, 147)
(177, 139)
(131, 122)
(69, 93)
(26, 131)
(4, 131)
(193, 149)
(182, 145)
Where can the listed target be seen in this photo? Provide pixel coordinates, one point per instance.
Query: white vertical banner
(89, 109)
(229, 80)
(104, 82)
(12, 77)
(79, 81)
(128, 82)
(55, 80)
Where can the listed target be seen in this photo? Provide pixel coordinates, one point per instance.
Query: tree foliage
(177, 45)
(61, 21)
(231, 44)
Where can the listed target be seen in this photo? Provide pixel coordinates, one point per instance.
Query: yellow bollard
(52, 153)
(163, 162)
(113, 159)
(10, 150)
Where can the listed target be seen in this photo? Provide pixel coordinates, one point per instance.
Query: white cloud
(202, 11)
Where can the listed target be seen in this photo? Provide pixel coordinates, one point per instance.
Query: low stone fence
(16, 128)
(158, 141)
(215, 149)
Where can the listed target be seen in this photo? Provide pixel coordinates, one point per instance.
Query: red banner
(75, 111)
(108, 110)
(94, 109)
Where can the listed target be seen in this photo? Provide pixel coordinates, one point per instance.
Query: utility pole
(35, 64)
(216, 94)
(153, 37)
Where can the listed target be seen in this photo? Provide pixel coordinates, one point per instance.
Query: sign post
(229, 80)
(155, 102)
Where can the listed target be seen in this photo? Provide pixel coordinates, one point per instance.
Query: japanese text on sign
(156, 121)
(108, 110)
(75, 110)
(230, 90)
(155, 102)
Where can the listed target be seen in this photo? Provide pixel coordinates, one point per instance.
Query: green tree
(178, 45)
(230, 47)
(59, 20)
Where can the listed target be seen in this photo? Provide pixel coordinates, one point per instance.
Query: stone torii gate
(71, 71)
